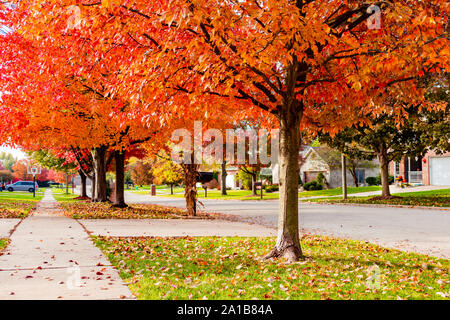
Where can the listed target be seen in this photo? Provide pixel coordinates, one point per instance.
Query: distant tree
(20, 170)
(141, 173)
(250, 171)
(47, 159)
(385, 139)
(167, 172)
(7, 160)
(6, 176)
(389, 140)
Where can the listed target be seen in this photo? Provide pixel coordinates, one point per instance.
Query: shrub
(271, 188)
(390, 179)
(321, 179)
(313, 185)
(371, 181)
(376, 181)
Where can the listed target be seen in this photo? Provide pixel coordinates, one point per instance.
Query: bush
(246, 180)
(271, 188)
(390, 179)
(371, 181)
(376, 181)
(321, 179)
(313, 185)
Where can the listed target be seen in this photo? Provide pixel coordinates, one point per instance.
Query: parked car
(22, 186)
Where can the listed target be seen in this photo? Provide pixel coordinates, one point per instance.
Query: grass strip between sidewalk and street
(3, 244)
(17, 205)
(247, 194)
(433, 198)
(231, 268)
(84, 209)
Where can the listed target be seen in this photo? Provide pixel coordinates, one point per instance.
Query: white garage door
(440, 171)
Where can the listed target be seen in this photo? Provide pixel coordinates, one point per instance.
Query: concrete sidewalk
(52, 257)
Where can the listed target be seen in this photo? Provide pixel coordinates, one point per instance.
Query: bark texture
(83, 177)
(223, 186)
(254, 192)
(384, 167)
(288, 242)
(119, 200)
(190, 192)
(99, 155)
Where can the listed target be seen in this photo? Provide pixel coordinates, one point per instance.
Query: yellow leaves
(110, 3)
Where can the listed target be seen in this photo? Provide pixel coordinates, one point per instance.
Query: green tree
(7, 160)
(167, 172)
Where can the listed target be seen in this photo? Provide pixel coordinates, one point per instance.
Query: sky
(17, 153)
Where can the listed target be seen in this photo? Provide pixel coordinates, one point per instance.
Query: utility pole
(344, 177)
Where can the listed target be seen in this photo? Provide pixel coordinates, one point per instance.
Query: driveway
(419, 230)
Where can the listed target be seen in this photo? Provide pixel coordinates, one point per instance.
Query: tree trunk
(355, 178)
(384, 164)
(93, 187)
(288, 242)
(344, 177)
(67, 183)
(254, 192)
(83, 192)
(190, 189)
(224, 178)
(119, 200)
(99, 155)
(171, 189)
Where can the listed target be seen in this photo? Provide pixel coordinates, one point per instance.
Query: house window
(396, 169)
(361, 175)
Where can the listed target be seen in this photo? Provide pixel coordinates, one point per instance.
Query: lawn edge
(380, 205)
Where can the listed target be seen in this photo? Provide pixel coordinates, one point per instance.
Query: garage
(440, 171)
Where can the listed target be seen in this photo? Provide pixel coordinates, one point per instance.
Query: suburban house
(328, 161)
(432, 169)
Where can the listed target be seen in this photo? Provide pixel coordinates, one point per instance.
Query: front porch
(410, 170)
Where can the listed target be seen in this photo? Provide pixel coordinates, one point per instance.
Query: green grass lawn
(433, 198)
(3, 244)
(21, 195)
(18, 204)
(61, 196)
(160, 190)
(247, 194)
(230, 268)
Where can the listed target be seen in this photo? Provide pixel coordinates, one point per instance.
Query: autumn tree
(141, 173)
(165, 171)
(66, 78)
(7, 160)
(6, 176)
(298, 61)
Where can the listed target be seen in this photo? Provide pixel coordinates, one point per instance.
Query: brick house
(432, 169)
